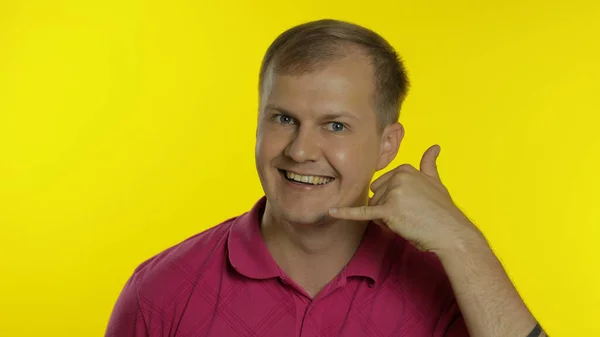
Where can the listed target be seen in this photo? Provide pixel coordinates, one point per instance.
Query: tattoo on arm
(536, 332)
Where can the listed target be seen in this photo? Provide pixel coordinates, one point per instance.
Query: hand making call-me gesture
(416, 205)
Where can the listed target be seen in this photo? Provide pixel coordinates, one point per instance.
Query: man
(317, 256)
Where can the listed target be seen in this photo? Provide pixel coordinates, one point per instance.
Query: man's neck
(312, 256)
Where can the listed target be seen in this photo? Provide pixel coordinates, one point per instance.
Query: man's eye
(284, 119)
(336, 126)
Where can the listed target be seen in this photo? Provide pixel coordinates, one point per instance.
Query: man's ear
(391, 137)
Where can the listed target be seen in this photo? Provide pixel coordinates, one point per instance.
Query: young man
(316, 256)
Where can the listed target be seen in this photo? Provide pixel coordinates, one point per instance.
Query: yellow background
(128, 126)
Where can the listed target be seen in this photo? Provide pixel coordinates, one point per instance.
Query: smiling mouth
(306, 179)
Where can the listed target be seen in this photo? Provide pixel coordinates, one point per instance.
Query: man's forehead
(327, 85)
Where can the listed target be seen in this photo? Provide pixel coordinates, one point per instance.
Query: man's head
(330, 95)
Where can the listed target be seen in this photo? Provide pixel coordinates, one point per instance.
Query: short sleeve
(126, 319)
(451, 322)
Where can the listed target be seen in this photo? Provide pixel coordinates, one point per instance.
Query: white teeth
(314, 180)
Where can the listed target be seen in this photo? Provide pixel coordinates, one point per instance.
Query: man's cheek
(341, 156)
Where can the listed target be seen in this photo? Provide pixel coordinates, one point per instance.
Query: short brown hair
(306, 47)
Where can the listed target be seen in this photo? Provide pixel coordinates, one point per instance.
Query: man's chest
(265, 309)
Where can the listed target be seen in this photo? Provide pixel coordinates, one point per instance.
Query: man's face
(318, 144)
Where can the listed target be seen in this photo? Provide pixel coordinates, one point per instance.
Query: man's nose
(304, 146)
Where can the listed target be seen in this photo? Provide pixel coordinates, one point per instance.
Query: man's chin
(302, 211)
(307, 219)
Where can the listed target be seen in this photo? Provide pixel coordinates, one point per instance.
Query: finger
(373, 201)
(388, 175)
(381, 181)
(377, 194)
(429, 162)
(358, 213)
(379, 197)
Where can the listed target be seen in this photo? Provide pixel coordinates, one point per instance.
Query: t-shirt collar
(249, 255)
(248, 252)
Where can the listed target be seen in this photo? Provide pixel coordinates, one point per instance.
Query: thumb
(429, 161)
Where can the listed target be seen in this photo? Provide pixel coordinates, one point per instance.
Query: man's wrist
(537, 331)
(465, 243)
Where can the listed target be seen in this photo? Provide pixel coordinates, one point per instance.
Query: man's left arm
(489, 303)
(416, 205)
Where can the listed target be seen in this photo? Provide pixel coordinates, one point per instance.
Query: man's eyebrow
(337, 115)
(278, 109)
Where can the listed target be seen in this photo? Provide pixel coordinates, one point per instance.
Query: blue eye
(337, 126)
(284, 119)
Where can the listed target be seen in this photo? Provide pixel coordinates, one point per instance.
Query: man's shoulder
(183, 262)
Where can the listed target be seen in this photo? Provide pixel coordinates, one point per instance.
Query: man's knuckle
(402, 177)
(363, 212)
(404, 167)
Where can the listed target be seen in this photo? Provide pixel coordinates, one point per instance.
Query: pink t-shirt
(224, 283)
